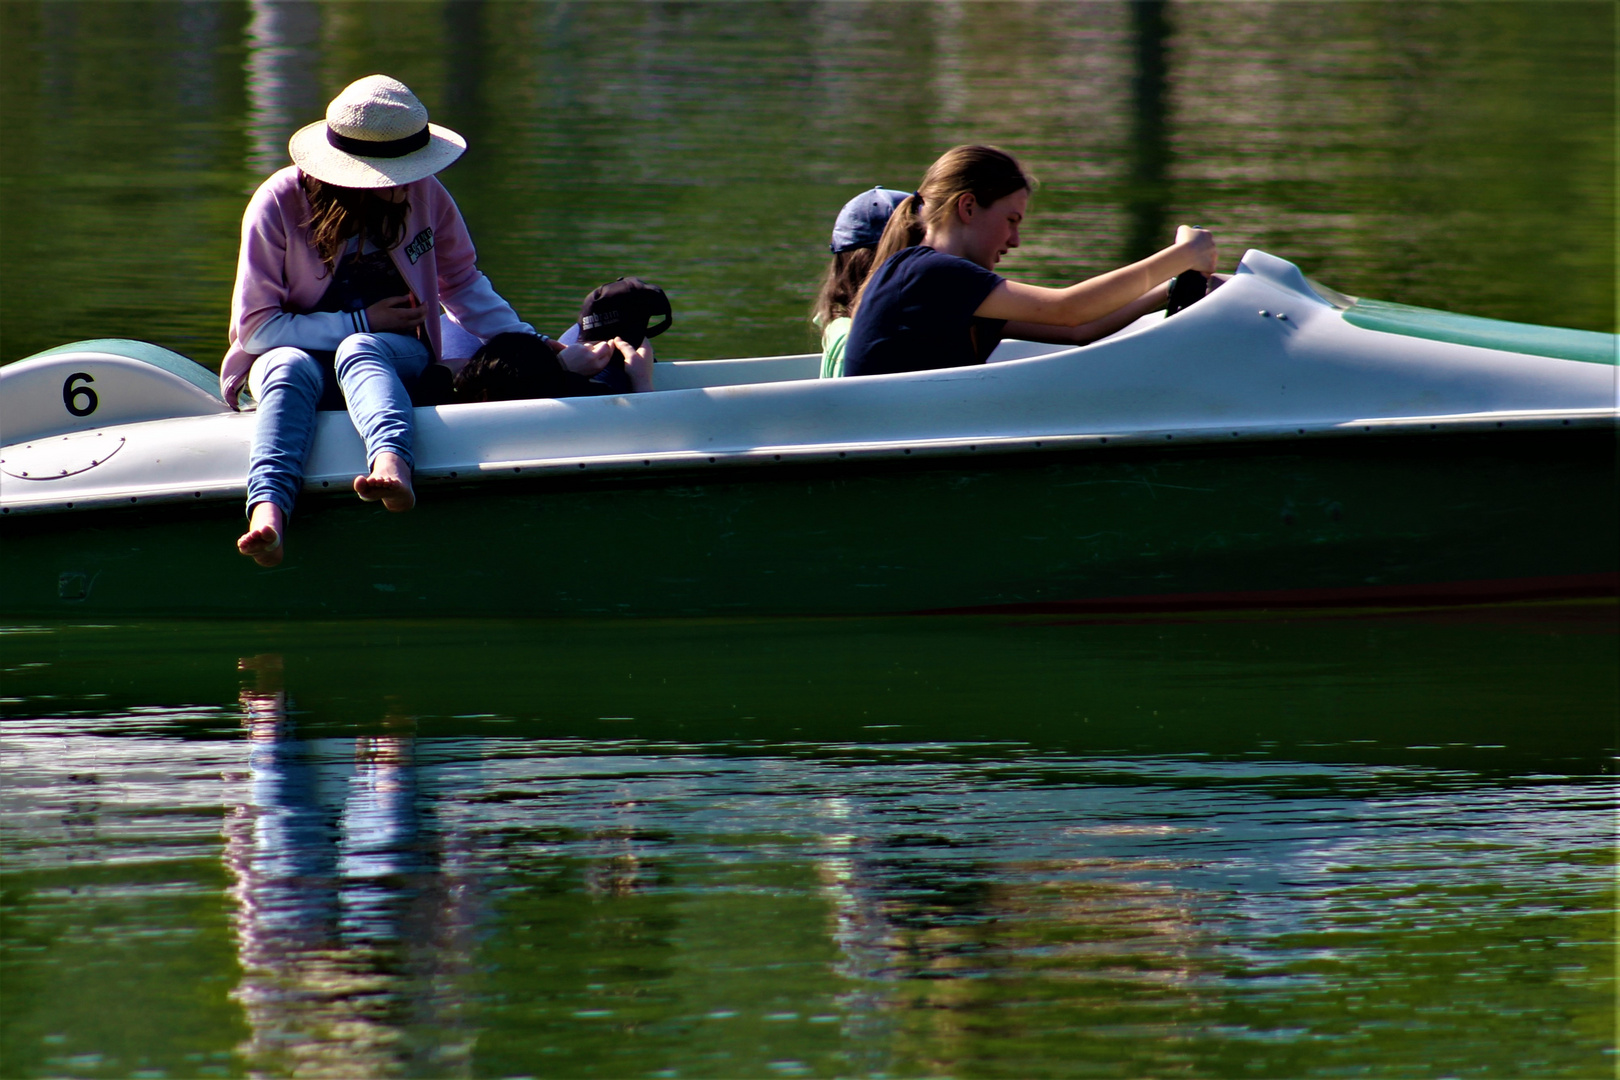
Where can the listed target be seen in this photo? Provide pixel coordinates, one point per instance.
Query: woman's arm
(1104, 294)
(1095, 330)
(315, 330)
(261, 291)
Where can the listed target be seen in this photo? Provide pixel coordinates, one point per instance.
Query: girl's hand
(396, 315)
(1199, 246)
(638, 364)
(586, 357)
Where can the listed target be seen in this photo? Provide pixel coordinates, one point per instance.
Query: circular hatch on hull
(53, 459)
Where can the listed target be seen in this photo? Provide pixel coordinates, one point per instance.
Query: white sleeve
(481, 311)
(323, 330)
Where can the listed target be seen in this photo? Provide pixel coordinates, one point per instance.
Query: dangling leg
(286, 383)
(389, 481)
(373, 370)
(267, 527)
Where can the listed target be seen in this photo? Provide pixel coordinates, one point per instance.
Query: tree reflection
(283, 85)
(1148, 191)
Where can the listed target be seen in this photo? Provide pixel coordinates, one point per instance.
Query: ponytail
(905, 229)
(985, 172)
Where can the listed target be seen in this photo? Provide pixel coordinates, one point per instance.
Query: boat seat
(1019, 349)
(690, 374)
(92, 384)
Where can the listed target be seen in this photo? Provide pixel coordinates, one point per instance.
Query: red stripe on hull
(1492, 591)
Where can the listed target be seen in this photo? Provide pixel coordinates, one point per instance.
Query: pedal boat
(1276, 444)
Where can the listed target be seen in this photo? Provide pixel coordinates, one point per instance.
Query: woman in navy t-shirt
(935, 302)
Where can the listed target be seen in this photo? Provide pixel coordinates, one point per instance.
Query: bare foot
(390, 481)
(262, 542)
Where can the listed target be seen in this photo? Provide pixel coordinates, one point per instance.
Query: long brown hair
(843, 280)
(337, 213)
(985, 172)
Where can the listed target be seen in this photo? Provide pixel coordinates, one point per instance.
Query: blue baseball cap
(860, 223)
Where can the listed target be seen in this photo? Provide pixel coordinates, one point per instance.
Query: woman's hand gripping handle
(1199, 247)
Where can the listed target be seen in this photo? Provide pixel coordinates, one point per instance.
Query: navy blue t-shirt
(918, 314)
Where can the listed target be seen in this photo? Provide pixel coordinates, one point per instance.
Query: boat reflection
(435, 872)
(937, 944)
(363, 864)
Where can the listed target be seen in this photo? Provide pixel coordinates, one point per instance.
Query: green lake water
(1247, 845)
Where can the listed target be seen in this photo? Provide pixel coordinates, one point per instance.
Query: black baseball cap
(623, 308)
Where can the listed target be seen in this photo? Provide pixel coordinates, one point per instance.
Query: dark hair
(337, 213)
(515, 366)
(985, 172)
(844, 277)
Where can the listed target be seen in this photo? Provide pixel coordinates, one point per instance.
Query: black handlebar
(1188, 288)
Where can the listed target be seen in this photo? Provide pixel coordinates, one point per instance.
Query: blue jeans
(372, 369)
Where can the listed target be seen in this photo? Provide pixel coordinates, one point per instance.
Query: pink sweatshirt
(278, 269)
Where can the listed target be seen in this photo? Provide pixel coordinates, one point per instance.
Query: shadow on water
(1523, 682)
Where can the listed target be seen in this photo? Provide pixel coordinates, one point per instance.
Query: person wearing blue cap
(855, 237)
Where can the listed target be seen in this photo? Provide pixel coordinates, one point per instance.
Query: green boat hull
(1384, 520)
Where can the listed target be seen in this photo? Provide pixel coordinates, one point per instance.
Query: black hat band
(392, 148)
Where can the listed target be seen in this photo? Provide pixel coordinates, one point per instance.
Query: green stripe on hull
(1033, 529)
(1582, 345)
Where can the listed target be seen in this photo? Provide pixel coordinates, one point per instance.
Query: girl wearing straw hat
(346, 258)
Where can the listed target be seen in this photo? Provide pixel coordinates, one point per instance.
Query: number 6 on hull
(73, 391)
(100, 383)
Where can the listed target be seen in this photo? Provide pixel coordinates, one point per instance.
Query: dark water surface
(1240, 846)
(1236, 846)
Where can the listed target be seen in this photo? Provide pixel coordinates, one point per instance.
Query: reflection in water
(1150, 145)
(344, 918)
(283, 84)
(974, 849)
(1369, 142)
(903, 916)
(937, 932)
(354, 930)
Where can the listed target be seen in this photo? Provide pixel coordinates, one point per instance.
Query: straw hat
(376, 135)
